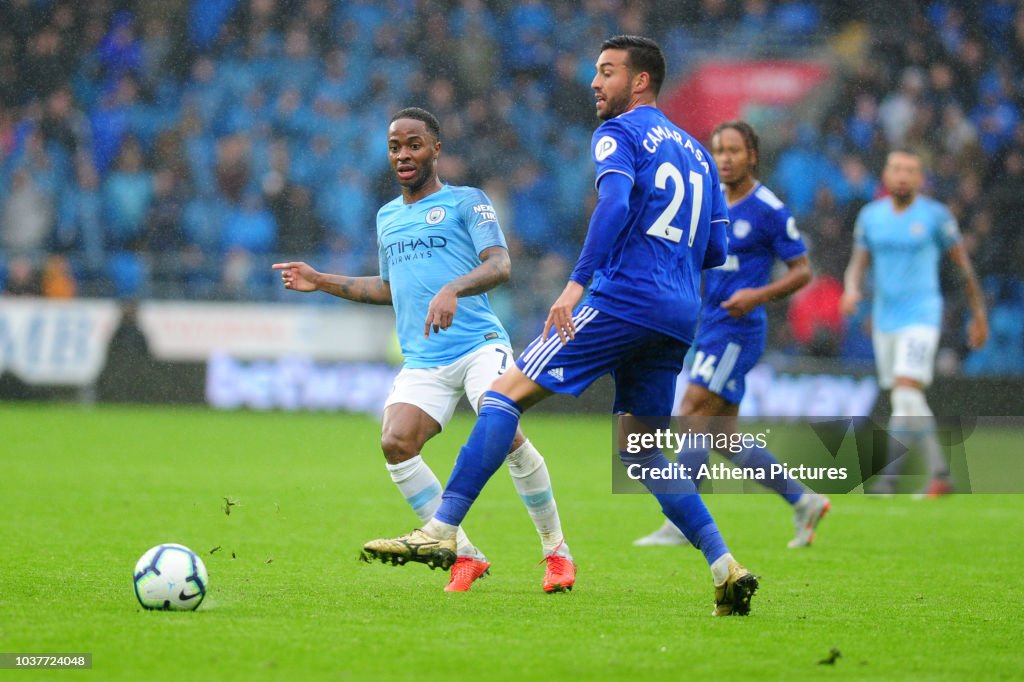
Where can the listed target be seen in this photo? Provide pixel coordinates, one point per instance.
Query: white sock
(910, 403)
(532, 482)
(933, 454)
(442, 531)
(720, 568)
(421, 489)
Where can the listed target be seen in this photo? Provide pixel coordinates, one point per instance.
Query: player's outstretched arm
(859, 262)
(977, 329)
(299, 276)
(797, 275)
(495, 268)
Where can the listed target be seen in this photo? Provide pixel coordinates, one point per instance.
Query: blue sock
(693, 459)
(681, 504)
(480, 457)
(759, 459)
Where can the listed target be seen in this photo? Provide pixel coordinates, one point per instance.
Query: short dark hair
(418, 114)
(746, 130)
(906, 151)
(643, 54)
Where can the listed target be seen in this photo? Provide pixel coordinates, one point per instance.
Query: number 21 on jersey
(663, 227)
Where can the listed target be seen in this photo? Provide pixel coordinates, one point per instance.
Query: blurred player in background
(438, 244)
(734, 324)
(902, 237)
(660, 219)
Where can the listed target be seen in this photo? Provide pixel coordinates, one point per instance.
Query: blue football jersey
(424, 246)
(651, 277)
(761, 230)
(905, 249)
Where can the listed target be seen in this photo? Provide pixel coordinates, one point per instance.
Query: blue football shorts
(643, 363)
(721, 359)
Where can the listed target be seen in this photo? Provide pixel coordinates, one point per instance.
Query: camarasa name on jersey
(658, 134)
(405, 250)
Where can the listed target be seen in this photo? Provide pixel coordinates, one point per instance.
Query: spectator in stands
(897, 111)
(120, 52)
(162, 232)
(64, 125)
(44, 66)
(127, 195)
(320, 76)
(58, 279)
(79, 222)
(232, 170)
(28, 215)
(22, 278)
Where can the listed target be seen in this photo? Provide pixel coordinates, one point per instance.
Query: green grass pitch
(903, 589)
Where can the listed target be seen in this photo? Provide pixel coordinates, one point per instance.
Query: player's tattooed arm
(495, 268)
(299, 276)
(977, 329)
(372, 290)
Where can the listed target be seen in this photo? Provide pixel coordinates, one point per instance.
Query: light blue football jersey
(424, 246)
(906, 248)
(651, 277)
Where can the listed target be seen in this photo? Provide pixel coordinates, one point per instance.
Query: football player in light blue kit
(440, 250)
(903, 237)
(734, 324)
(660, 219)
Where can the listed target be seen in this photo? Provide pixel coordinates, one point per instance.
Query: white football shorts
(908, 352)
(437, 390)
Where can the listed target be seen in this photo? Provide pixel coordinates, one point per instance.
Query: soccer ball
(170, 577)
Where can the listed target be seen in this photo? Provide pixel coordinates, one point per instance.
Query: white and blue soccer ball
(170, 577)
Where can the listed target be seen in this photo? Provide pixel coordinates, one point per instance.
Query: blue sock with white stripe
(422, 491)
(480, 457)
(758, 458)
(681, 504)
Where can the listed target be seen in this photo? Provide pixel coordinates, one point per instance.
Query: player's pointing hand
(297, 276)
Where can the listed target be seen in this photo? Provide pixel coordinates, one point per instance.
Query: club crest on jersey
(791, 230)
(435, 215)
(917, 229)
(740, 229)
(605, 147)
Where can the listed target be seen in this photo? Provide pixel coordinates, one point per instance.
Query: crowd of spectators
(174, 148)
(947, 80)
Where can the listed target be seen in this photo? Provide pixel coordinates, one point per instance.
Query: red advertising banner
(718, 91)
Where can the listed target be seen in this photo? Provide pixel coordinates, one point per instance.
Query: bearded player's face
(613, 84)
(902, 176)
